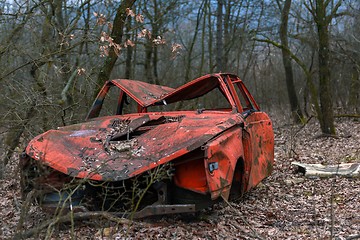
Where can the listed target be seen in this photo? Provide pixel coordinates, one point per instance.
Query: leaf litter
(286, 205)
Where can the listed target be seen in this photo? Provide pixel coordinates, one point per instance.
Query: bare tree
(319, 10)
(219, 37)
(293, 99)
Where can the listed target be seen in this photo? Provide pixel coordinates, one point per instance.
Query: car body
(155, 161)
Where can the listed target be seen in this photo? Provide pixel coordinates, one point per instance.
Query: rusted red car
(134, 154)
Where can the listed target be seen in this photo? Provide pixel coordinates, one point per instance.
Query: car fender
(221, 155)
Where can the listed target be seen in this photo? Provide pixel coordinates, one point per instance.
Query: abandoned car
(135, 155)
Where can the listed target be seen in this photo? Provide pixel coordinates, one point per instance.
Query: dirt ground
(286, 205)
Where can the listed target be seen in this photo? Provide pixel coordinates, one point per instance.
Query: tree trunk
(227, 38)
(219, 37)
(13, 137)
(322, 24)
(147, 63)
(129, 52)
(155, 66)
(188, 66)
(354, 96)
(210, 40)
(14, 134)
(156, 24)
(203, 32)
(293, 99)
(117, 34)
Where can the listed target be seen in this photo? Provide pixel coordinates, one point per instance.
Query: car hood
(119, 147)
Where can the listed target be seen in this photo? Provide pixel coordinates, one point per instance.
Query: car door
(257, 137)
(258, 141)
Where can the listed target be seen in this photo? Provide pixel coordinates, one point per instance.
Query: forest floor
(286, 205)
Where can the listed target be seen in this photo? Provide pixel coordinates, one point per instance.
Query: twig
(348, 115)
(64, 92)
(332, 204)
(255, 234)
(326, 135)
(67, 218)
(303, 125)
(25, 209)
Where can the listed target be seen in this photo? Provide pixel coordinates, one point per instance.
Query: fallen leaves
(286, 205)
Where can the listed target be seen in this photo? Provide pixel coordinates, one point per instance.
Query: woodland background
(300, 59)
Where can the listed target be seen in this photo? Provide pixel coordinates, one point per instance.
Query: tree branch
(310, 83)
(333, 12)
(64, 97)
(310, 9)
(287, 50)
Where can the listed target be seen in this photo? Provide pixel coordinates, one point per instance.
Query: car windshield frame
(147, 95)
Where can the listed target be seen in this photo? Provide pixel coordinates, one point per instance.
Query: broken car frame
(182, 160)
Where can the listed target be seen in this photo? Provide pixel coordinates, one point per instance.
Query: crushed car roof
(121, 146)
(147, 94)
(143, 93)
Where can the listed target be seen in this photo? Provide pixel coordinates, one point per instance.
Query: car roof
(143, 93)
(193, 89)
(147, 94)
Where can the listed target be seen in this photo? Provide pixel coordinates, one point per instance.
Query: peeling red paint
(204, 146)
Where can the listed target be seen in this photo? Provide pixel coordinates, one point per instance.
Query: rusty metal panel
(199, 87)
(258, 148)
(164, 209)
(221, 158)
(193, 89)
(185, 172)
(104, 149)
(97, 104)
(142, 92)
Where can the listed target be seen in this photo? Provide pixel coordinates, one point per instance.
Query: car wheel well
(237, 185)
